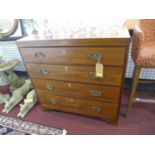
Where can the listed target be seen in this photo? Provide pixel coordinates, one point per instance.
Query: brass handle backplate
(39, 55)
(44, 71)
(53, 101)
(96, 109)
(93, 75)
(95, 93)
(49, 87)
(94, 56)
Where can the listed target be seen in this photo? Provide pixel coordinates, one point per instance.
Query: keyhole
(63, 52)
(69, 85)
(66, 68)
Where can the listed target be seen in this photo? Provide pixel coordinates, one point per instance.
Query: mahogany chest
(63, 73)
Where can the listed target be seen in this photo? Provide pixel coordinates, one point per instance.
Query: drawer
(74, 55)
(78, 106)
(85, 91)
(84, 74)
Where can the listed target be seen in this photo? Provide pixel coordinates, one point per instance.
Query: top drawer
(74, 55)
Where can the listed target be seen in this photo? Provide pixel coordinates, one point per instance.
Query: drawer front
(86, 74)
(85, 91)
(84, 107)
(109, 55)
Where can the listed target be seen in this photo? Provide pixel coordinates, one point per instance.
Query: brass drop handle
(94, 56)
(93, 75)
(96, 109)
(95, 93)
(53, 101)
(49, 87)
(39, 55)
(44, 71)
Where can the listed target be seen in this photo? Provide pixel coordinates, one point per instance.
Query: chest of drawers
(63, 73)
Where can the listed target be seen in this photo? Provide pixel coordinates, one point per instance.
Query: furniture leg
(133, 87)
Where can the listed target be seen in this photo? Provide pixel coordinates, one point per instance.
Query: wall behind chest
(10, 51)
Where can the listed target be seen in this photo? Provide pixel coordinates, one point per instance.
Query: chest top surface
(82, 38)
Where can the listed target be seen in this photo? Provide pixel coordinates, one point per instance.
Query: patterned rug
(11, 126)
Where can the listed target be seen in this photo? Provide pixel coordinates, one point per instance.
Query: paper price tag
(99, 69)
(28, 100)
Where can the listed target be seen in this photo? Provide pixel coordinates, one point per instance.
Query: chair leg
(133, 87)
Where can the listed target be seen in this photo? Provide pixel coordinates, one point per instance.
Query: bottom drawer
(79, 106)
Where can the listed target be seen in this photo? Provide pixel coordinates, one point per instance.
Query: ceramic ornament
(18, 96)
(3, 77)
(15, 81)
(31, 100)
(4, 98)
